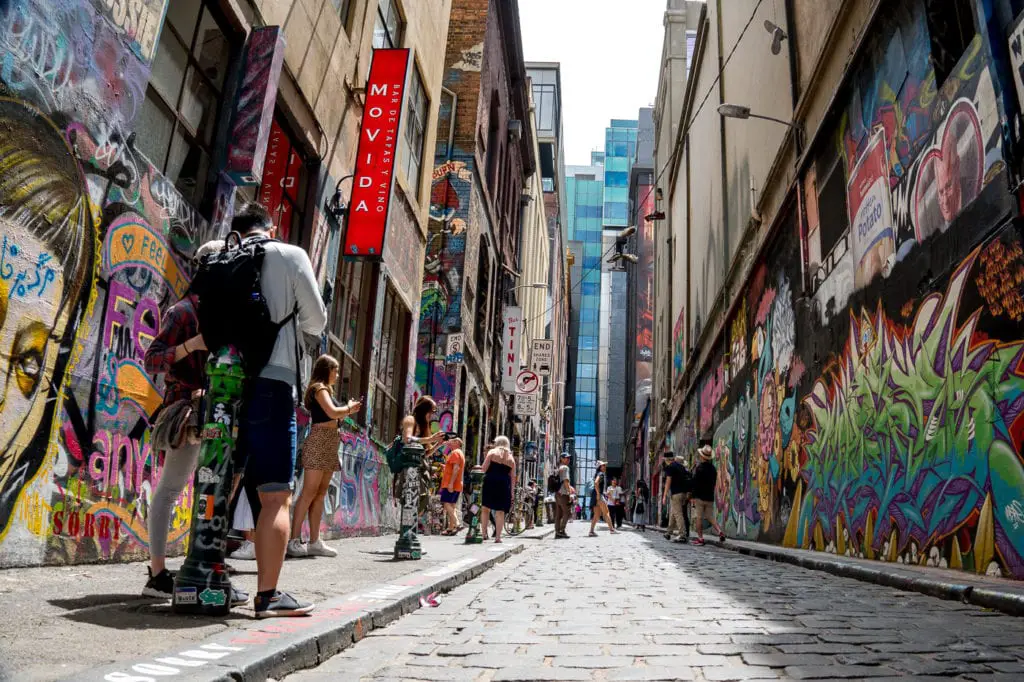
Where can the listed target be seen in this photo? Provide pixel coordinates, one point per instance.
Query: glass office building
(598, 202)
(619, 150)
(619, 153)
(585, 203)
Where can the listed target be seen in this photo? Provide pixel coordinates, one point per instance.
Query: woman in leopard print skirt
(319, 456)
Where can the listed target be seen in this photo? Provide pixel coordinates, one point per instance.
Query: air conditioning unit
(515, 130)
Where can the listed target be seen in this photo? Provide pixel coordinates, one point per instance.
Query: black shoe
(668, 536)
(281, 605)
(159, 586)
(239, 597)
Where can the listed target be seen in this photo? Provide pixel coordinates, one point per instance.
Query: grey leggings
(178, 467)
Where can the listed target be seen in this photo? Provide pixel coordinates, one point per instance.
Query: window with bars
(283, 189)
(387, 31)
(389, 374)
(350, 319)
(412, 137)
(182, 104)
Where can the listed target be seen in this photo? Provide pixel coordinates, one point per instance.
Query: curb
(985, 597)
(536, 533)
(275, 648)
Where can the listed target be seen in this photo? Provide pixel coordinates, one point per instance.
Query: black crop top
(316, 413)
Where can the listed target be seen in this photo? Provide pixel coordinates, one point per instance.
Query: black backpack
(232, 308)
(554, 485)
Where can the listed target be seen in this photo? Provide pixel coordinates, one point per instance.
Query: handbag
(176, 426)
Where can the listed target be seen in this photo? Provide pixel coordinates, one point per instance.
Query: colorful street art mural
(645, 296)
(869, 400)
(441, 297)
(359, 499)
(94, 244)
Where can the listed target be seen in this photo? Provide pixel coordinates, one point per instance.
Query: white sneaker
(318, 548)
(247, 550)
(297, 548)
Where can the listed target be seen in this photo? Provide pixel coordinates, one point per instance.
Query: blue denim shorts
(268, 436)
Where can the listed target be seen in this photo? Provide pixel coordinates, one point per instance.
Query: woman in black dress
(499, 481)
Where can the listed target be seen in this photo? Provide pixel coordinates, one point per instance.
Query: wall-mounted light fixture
(337, 206)
(741, 112)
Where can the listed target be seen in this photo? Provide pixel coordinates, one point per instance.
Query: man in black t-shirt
(678, 484)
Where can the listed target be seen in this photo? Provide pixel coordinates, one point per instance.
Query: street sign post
(542, 355)
(527, 382)
(454, 352)
(526, 404)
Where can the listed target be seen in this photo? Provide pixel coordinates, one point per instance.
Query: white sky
(609, 51)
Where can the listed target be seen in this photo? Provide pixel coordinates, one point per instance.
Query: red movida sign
(375, 159)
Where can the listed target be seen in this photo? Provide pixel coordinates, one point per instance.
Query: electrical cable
(671, 162)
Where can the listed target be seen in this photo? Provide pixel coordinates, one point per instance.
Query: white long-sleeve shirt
(288, 281)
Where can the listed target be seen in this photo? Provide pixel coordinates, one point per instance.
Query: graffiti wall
(869, 400)
(359, 500)
(441, 298)
(95, 245)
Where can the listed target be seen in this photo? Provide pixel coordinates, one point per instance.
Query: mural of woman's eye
(27, 368)
(27, 358)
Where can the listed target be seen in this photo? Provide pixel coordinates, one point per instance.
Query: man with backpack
(680, 484)
(257, 296)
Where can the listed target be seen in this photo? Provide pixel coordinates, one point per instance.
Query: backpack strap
(294, 317)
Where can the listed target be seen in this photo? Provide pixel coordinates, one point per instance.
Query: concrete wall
(680, 15)
(708, 240)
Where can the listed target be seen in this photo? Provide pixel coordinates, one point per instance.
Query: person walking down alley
(598, 505)
(499, 469)
(616, 503)
(639, 506)
(563, 497)
(451, 485)
(679, 488)
(179, 353)
(319, 457)
(705, 476)
(268, 424)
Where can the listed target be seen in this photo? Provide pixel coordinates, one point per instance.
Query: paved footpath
(60, 621)
(635, 607)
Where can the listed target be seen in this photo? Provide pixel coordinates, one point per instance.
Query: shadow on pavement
(132, 612)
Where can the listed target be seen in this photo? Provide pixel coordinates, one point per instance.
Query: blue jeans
(268, 434)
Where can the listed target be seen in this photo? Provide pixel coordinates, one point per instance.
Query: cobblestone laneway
(634, 607)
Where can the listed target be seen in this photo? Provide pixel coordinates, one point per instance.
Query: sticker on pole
(527, 382)
(210, 597)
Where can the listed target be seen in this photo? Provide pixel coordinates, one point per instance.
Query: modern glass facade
(585, 200)
(619, 152)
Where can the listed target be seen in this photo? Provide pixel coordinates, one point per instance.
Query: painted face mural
(46, 269)
(951, 173)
